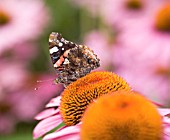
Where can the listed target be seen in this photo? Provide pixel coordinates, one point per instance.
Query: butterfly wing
(70, 60)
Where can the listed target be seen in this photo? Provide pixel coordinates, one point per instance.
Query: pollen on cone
(124, 115)
(79, 94)
(163, 18)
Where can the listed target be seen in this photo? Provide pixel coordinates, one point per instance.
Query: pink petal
(166, 120)
(167, 128)
(67, 137)
(157, 104)
(70, 133)
(164, 111)
(54, 102)
(46, 113)
(46, 125)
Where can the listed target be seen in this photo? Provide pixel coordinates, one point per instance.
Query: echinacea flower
(18, 23)
(145, 53)
(122, 115)
(75, 99)
(132, 108)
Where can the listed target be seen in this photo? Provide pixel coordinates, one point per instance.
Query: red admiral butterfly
(70, 60)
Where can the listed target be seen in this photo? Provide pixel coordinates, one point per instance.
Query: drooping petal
(46, 125)
(166, 121)
(71, 133)
(164, 111)
(47, 113)
(54, 102)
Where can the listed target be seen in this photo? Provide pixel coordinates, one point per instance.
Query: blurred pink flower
(51, 118)
(7, 119)
(23, 103)
(24, 52)
(142, 57)
(33, 100)
(99, 43)
(21, 53)
(21, 21)
(117, 12)
(7, 123)
(13, 75)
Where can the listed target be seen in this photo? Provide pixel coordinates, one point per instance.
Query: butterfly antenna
(43, 81)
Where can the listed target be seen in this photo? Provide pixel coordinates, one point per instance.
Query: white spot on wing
(55, 65)
(66, 61)
(66, 42)
(50, 40)
(60, 44)
(54, 49)
(62, 39)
